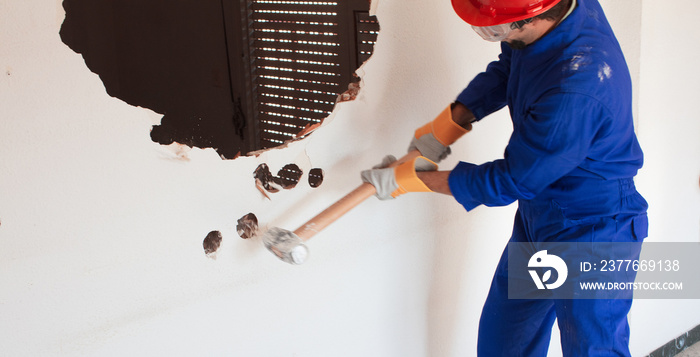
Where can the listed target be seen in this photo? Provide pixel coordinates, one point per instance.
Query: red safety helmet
(495, 12)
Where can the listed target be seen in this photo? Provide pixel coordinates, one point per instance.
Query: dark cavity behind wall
(184, 59)
(169, 56)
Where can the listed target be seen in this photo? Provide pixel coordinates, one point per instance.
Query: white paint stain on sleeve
(578, 61)
(604, 72)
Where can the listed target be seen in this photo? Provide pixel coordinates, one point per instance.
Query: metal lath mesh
(297, 64)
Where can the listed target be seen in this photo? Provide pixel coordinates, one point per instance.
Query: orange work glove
(433, 140)
(392, 182)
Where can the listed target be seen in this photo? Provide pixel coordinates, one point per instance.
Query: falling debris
(308, 129)
(247, 226)
(212, 243)
(288, 177)
(262, 190)
(315, 177)
(264, 179)
(351, 93)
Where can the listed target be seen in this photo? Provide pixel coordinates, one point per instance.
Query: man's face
(526, 35)
(517, 37)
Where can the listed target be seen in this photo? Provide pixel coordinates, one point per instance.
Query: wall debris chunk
(264, 179)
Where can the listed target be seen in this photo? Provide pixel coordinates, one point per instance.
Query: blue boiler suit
(569, 163)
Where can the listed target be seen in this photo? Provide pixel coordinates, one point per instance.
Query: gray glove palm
(390, 182)
(430, 147)
(433, 139)
(382, 178)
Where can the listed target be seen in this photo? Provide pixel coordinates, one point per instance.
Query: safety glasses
(498, 33)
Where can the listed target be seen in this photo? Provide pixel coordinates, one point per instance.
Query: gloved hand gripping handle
(344, 205)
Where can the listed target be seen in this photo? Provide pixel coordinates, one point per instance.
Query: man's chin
(516, 44)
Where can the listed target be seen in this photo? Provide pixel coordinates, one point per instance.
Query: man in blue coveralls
(570, 162)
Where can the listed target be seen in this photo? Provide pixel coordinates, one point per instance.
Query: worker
(569, 163)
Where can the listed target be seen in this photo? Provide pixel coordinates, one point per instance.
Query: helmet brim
(472, 14)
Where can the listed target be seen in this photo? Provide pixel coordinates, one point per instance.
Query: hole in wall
(234, 75)
(211, 243)
(288, 177)
(247, 226)
(315, 177)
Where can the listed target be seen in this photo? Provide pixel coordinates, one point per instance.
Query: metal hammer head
(285, 245)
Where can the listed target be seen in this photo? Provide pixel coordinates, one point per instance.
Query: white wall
(101, 229)
(669, 128)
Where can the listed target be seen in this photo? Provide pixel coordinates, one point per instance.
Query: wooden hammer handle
(343, 205)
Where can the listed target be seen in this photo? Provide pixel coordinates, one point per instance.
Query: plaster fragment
(247, 226)
(308, 129)
(264, 179)
(211, 244)
(351, 93)
(261, 189)
(315, 177)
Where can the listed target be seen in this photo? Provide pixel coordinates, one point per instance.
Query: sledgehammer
(290, 247)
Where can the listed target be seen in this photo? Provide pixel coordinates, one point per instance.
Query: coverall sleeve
(486, 93)
(551, 140)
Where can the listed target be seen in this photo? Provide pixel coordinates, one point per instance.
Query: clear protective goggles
(498, 33)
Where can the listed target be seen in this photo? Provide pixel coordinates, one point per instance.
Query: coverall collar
(561, 36)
